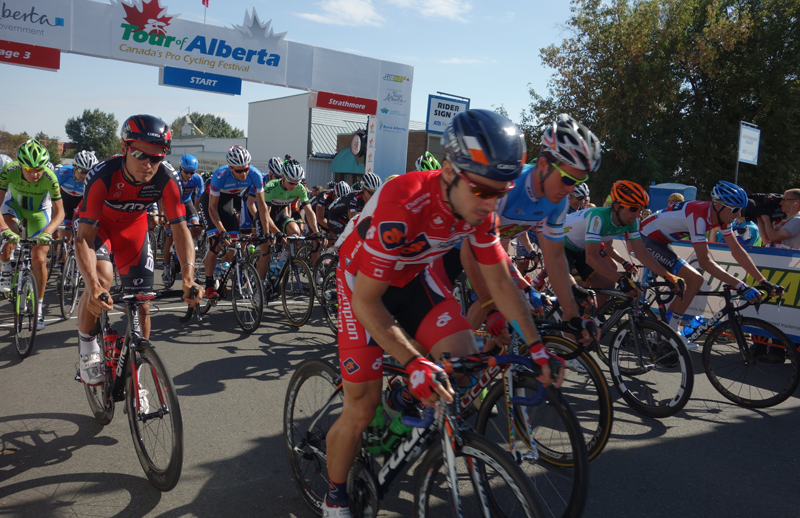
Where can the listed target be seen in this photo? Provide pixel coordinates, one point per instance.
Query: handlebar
(143, 298)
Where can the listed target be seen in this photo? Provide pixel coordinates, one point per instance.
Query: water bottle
(284, 255)
(538, 280)
(394, 433)
(225, 266)
(250, 250)
(217, 269)
(692, 326)
(112, 354)
(375, 431)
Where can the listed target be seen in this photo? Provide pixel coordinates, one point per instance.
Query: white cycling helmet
(238, 157)
(371, 181)
(341, 189)
(581, 191)
(85, 160)
(276, 166)
(50, 166)
(293, 171)
(572, 143)
(5, 160)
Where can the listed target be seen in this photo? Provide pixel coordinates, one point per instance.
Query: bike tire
(169, 279)
(247, 297)
(331, 307)
(321, 267)
(311, 387)
(560, 477)
(26, 312)
(52, 258)
(586, 388)
(162, 417)
(662, 385)
(99, 396)
(297, 293)
(766, 384)
(254, 258)
(304, 254)
(70, 287)
(511, 493)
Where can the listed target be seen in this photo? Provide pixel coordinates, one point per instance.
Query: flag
(205, 3)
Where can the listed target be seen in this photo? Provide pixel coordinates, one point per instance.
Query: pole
(738, 146)
(205, 11)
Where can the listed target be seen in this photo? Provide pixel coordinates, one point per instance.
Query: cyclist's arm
(557, 270)
(251, 205)
(57, 218)
(508, 298)
(321, 215)
(597, 263)
(743, 258)
(525, 241)
(263, 210)
(213, 212)
(311, 219)
(86, 257)
(612, 252)
(708, 264)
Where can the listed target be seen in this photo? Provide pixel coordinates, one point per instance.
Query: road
(712, 459)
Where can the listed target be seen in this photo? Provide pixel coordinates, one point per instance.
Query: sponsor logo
(509, 231)
(378, 272)
(371, 232)
(437, 123)
(393, 234)
(443, 319)
(346, 104)
(437, 222)
(120, 185)
(519, 212)
(129, 206)
(378, 364)
(149, 191)
(118, 194)
(418, 246)
(137, 282)
(384, 110)
(417, 205)
(31, 17)
(395, 97)
(350, 366)
(396, 79)
(347, 320)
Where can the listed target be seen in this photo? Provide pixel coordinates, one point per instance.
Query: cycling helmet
(332, 184)
(238, 157)
(32, 154)
(85, 160)
(427, 162)
(357, 186)
(293, 171)
(340, 189)
(581, 191)
(371, 181)
(729, 194)
(5, 160)
(569, 141)
(275, 166)
(50, 166)
(189, 162)
(147, 130)
(629, 194)
(485, 143)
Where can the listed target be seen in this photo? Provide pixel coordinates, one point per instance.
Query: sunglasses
(78, 170)
(567, 178)
(33, 169)
(631, 209)
(368, 191)
(292, 183)
(581, 198)
(186, 171)
(142, 156)
(734, 210)
(484, 191)
(240, 169)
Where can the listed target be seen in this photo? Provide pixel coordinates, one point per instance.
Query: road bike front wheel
(737, 370)
(651, 368)
(330, 304)
(324, 263)
(489, 482)
(70, 287)
(26, 311)
(560, 475)
(314, 397)
(248, 297)
(99, 397)
(297, 292)
(155, 419)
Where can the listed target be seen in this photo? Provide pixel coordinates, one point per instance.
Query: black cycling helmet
(485, 143)
(147, 130)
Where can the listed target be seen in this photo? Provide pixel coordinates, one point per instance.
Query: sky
(485, 50)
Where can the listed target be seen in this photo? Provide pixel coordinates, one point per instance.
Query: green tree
(95, 131)
(665, 83)
(9, 142)
(210, 125)
(51, 143)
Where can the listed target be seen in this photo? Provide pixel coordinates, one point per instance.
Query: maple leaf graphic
(147, 16)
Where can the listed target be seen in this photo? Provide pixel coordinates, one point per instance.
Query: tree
(210, 125)
(665, 83)
(10, 142)
(95, 131)
(51, 143)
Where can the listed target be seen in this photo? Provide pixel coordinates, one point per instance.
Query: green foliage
(9, 143)
(95, 131)
(51, 143)
(665, 83)
(210, 125)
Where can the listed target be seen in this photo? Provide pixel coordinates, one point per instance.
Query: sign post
(749, 138)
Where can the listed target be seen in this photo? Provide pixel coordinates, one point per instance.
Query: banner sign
(394, 115)
(44, 23)
(182, 78)
(346, 103)
(441, 110)
(749, 137)
(29, 55)
(369, 157)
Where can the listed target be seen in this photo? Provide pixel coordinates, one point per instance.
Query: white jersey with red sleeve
(406, 225)
(685, 219)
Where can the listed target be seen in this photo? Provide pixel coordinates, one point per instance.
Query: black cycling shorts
(578, 267)
(662, 253)
(227, 216)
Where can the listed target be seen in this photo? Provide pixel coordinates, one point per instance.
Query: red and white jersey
(405, 226)
(685, 219)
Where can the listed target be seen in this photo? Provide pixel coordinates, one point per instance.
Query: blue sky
(485, 50)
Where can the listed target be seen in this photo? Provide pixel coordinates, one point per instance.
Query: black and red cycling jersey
(340, 209)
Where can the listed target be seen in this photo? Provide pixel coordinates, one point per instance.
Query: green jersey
(595, 226)
(276, 195)
(30, 196)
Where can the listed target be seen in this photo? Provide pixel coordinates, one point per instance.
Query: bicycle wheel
(330, 305)
(248, 297)
(309, 401)
(152, 240)
(656, 377)
(586, 389)
(320, 272)
(560, 477)
(70, 287)
(100, 400)
(736, 371)
(26, 310)
(488, 481)
(201, 248)
(169, 279)
(52, 257)
(304, 254)
(297, 293)
(254, 258)
(155, 418)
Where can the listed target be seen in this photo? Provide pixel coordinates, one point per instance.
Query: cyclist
(386, 290)
(72, 180)
(427, 162)
(228, 185)
(35, 197)
(113, 220)
(351, 204)
(323, 201)
(578, 198)
(191, 189)
(693, 219)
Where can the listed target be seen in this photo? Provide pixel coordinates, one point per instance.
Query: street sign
(182, 78)
(29, 55)
(441, 110)
(749, 137)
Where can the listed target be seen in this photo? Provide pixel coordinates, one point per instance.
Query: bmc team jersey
(521, 210)
(34, 197)
(684, 219)
(595, 226)
(192, 188)
(405, 226)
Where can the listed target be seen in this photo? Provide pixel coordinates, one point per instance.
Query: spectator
(645, 213)
(674, 198)
(784, 233)
(315, 190)
(746, 233)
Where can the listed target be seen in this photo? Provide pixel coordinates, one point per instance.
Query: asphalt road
(712, 459)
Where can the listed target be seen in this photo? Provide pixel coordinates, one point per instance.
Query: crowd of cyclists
(402, 241)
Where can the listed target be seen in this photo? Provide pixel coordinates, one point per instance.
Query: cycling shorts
(424, 308)
(662, 253)
(578, 267)
(245, 220)
(336, 226)
(227, 217)
(191, 214)
(132, 253)
(71, 204)
(37, 220)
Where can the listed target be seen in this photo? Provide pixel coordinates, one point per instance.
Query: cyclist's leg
(263, 260)
(192, 219)
(87, 323)
(37, 221)
(167, 245)
(676, 266)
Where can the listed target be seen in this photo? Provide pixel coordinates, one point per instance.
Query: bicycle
(470, 461)
(247, 296)
(292, 280)
(24, 296)
(175, 266)
(154, 414)
(71, 283)
(325, 287)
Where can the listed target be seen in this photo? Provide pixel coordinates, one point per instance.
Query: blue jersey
(521, 210)
(69, 187)
(193, 187)
(224, 184)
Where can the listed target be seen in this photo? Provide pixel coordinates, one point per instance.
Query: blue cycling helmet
(189, 163)
(729, 194)
(485, 143)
